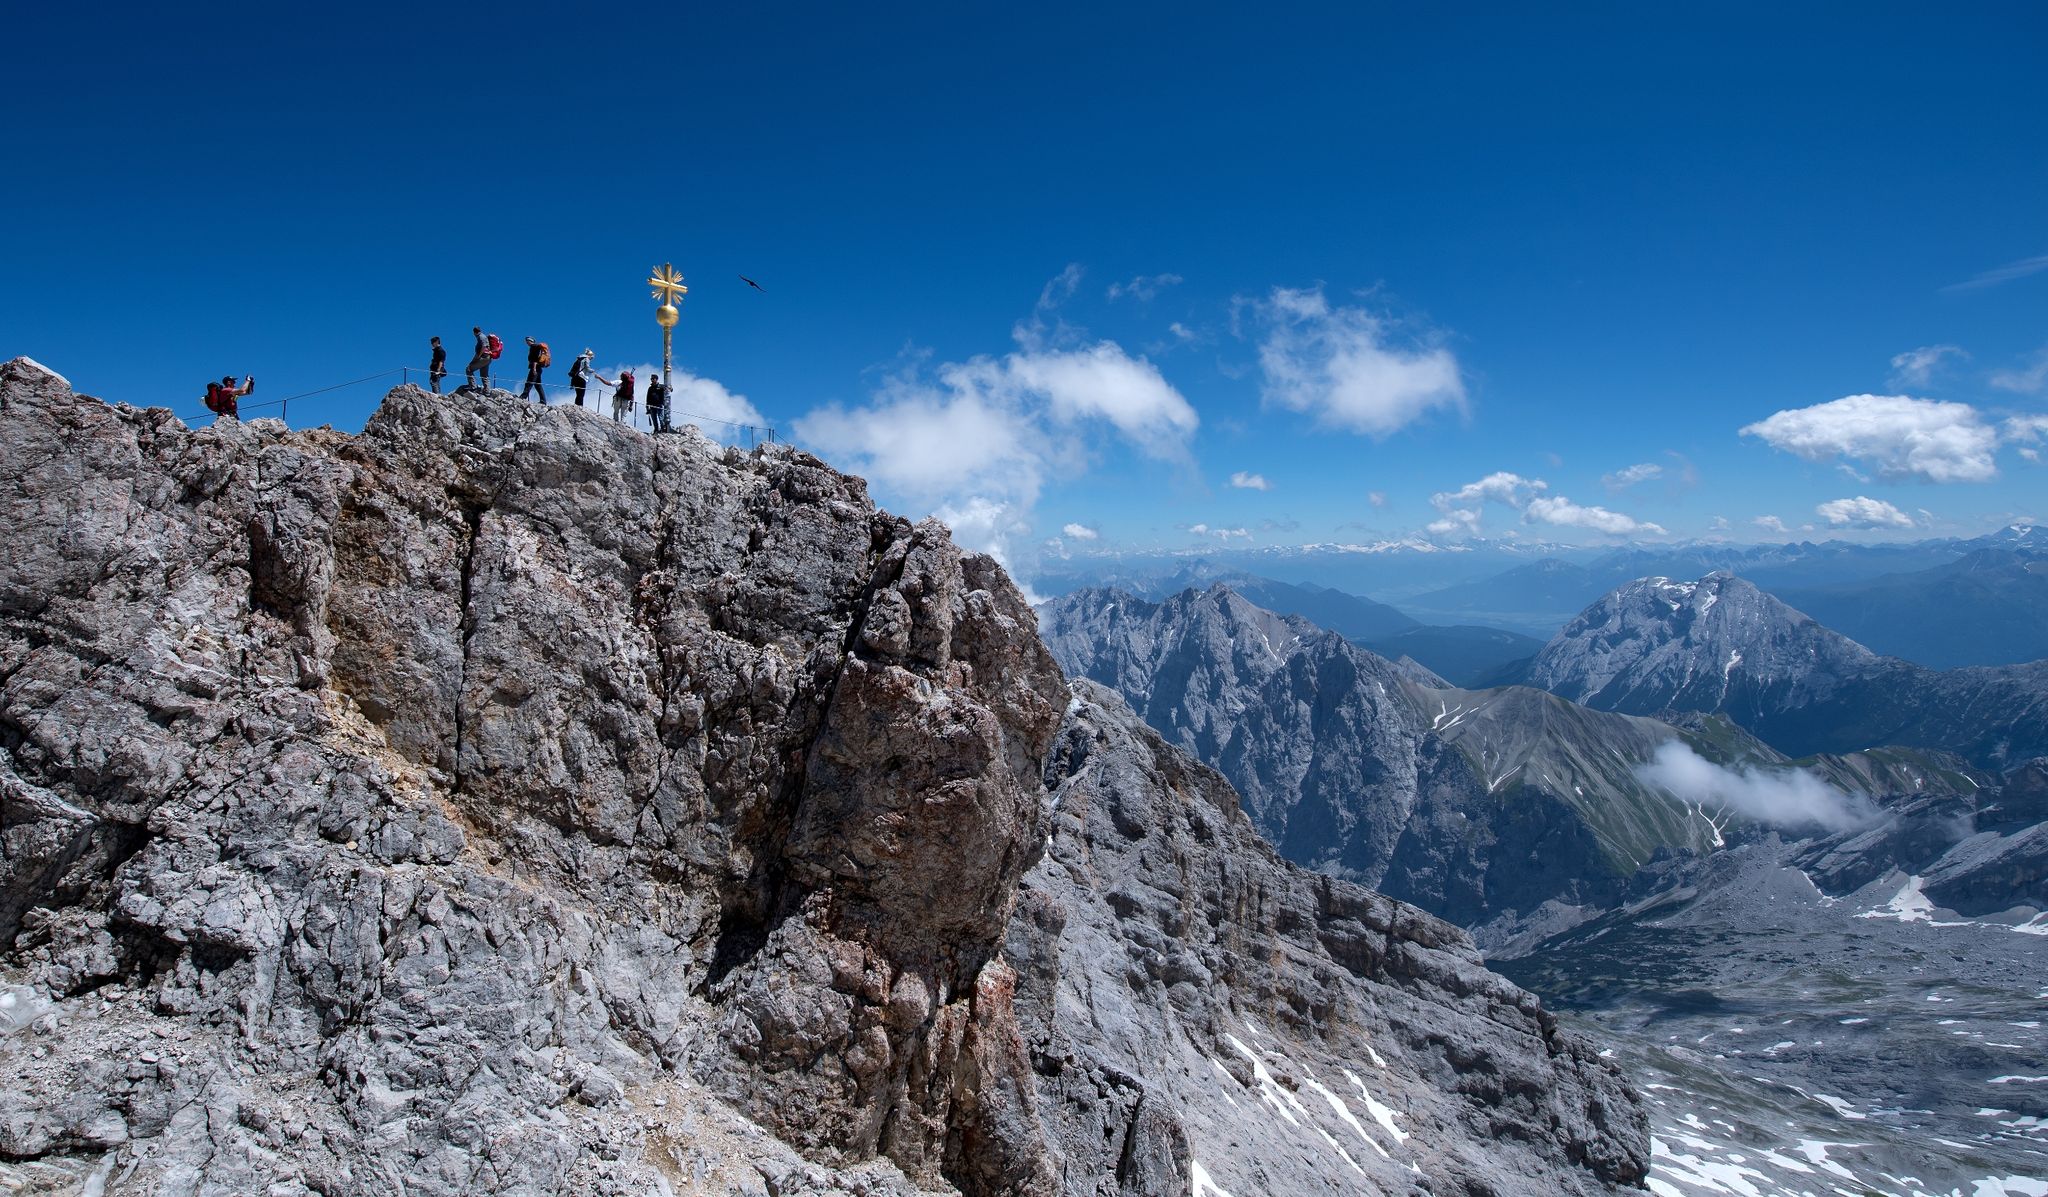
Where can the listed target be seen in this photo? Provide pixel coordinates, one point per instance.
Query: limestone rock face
(1306, 1034)
(503, 801)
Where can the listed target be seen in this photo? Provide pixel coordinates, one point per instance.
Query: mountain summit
(504, 801)
(1721, 645)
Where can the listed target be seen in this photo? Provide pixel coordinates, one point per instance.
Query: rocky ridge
(504, 801)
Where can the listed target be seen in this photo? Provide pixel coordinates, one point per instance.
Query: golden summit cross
(667, 283)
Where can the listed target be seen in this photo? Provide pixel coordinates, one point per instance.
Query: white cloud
(1792, 798)
(1718, 524)
(2025, 428)
(1378, 498)
(929, 442)
(1223, 534)
(1565, 513)
(1460, 509)
(1145, 287)
(1244, 481)
(1772, 524)
(1080, 532)
(1343, 366)
(2032, 455)
(974, 442)
(1497, 487)
(2028, 381)
(1862, 512)
(1915, 367)
(1625, 478)
(2002, 274)
(1902, 437)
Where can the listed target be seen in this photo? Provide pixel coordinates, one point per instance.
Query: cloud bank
(1461, 510)
(1862, 512)
(1344, 366)
(1902, 437)
(1791, 799)
(975, 442)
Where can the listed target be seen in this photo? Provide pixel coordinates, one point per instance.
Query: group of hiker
(489, 347)
(223, 398)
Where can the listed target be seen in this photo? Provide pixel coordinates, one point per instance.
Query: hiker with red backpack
(537, 359)
(224, 398)
(488, 347)
(622, 394)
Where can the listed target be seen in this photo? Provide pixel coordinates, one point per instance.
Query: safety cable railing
(636, 415)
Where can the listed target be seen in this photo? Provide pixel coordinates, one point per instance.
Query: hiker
(224, 398)
(657, 405)
(579, 374)
(437, 369)
(480, 363)
(622, 394)
(536, 360)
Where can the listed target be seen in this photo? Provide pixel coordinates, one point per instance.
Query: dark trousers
(477, 365)
(579, 384)
(533, 384)
(658, 418)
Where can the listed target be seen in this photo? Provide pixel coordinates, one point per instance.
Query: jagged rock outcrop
(1316, 1009)
(504, 801)
(1474, 805)
(1722, 645)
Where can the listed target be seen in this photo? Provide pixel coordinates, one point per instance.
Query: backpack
(213, 397)
(493, 346)
(578, 369)
(543, 361)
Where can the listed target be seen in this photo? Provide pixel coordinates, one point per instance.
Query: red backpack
(213, 397)
(543, 360)
(493, 345)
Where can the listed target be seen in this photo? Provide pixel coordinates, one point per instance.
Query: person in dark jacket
(536, 361)
(437, 369)
(657, 405)
(479, 362)
(580, 375)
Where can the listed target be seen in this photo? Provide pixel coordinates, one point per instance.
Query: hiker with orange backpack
(537, 359)
(488, 347)
(224, 398)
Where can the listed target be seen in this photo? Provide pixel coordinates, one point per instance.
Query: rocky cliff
(503, 801)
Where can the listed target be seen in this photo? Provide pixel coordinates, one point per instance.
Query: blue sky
(1047, 267)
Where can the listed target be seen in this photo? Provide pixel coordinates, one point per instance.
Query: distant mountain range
(1939, 603)
(1988, 608)
(1722, 645)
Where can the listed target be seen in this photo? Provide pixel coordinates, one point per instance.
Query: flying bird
(751, 283)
